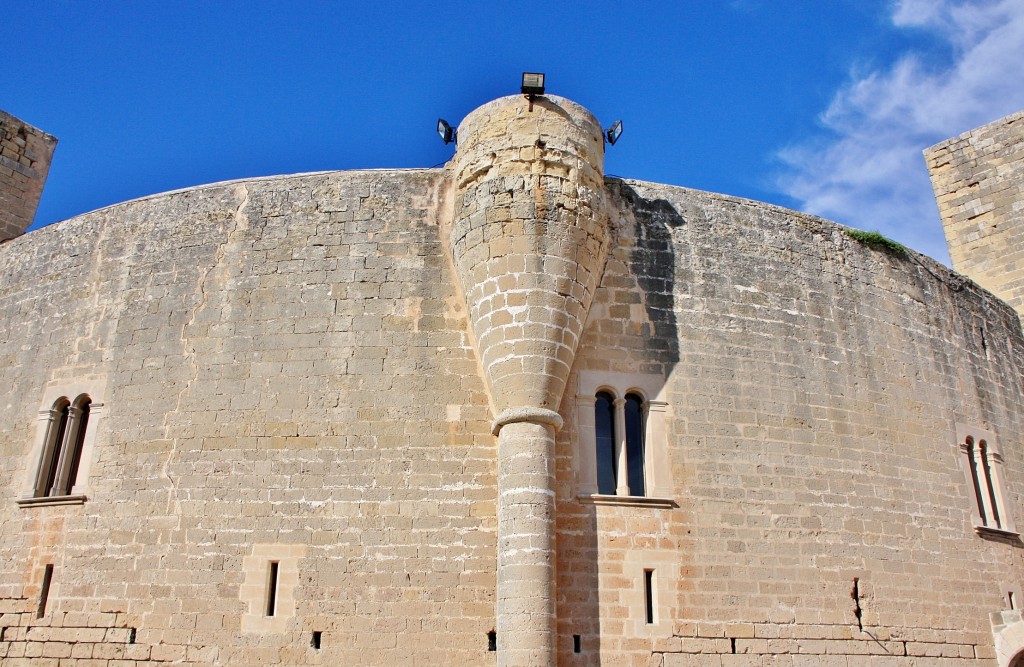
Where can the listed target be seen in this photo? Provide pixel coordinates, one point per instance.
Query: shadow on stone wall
(652, 263)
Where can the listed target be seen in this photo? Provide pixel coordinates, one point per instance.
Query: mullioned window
(622, 444)
(982, 464)
(62, 452)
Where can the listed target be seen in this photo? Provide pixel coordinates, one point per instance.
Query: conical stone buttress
(529, 240)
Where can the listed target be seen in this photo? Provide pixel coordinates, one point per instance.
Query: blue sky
(818, 105)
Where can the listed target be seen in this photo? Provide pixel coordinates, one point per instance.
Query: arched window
(62, 447)
(619, 426)
(621, 452)
(76, 441)
(604, 426)
(56, 428)
(634, 410)
(982, 464)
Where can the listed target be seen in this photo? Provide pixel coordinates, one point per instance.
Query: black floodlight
(614, 132)
(533, 84)
(445, 131)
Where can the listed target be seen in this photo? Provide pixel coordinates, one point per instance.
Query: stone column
(621, 459)
(526, 567)
(529, 239)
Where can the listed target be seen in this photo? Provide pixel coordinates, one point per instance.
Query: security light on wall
(445, 131)
(614, 132)
(533, 84)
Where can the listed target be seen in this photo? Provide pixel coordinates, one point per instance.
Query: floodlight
(445, 131)
(614, 132)
(533, 84)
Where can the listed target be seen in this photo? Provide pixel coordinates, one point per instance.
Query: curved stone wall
(815, 386)
(283, 372)
(286, 377)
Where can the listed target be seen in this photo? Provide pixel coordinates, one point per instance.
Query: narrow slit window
(315, 641)
(1011, 600)
(604, 424)
(576, 644)
(44, 590)
(649, 596)
(492, 641)
(272, 589)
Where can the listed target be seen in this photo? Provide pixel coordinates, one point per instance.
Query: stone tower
(529, 239)
(978, 179)
(25, 154)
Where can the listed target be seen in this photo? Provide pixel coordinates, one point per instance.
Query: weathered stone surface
(25, 154)
(288, 374)
(528, 239)
(978, 179)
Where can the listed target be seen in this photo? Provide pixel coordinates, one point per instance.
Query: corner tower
(978, 178)
(25, 154)
(529, 239)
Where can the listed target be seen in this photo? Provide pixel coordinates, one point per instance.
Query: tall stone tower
(529, 241)
(25, 154)
(978, 179)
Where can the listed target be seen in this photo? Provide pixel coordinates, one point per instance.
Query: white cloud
(867, 171)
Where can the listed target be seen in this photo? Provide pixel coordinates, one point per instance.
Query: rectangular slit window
(272, 589)
(492, 641)
(576, 648)
(649, 596)
(44, 590)
(315, 642)
(1011, 599)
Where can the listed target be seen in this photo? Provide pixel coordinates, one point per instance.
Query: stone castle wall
(978, 179)
(814, 385)
(25, 154)
(285, 372)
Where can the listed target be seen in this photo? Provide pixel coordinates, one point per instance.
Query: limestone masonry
(509, 412)
(25, 154)
(979, 184)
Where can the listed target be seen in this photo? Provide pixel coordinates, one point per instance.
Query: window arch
(66, 428)
(982, 464)
(635, 410)
(621, 451)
